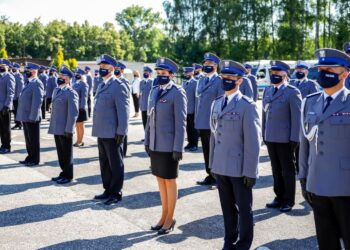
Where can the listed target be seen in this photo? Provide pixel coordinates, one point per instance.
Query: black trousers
(125, 146)
(89, 105)
(283, 171)
(205, 139)
(48, 103)
(32, 138)
(192, 133)
(5, 130)
(236, 204)
(64, 147)
(111, 164)
(136, 102)
(144, 118)
(43, 108)
(332, 220)
(15, 107)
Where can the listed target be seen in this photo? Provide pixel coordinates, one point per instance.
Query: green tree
(141, 24)
(58, 59)
(3, 53)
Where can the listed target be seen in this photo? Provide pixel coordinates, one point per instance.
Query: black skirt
(163, 165)
(82, 117)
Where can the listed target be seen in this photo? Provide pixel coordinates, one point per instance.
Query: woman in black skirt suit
(81, 87)
(165, 136)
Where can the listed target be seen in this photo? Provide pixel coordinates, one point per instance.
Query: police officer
(82, 88)
(89, 81)
(29, 113)
(347, 51)
(51, 86)
(63, 117)
(110, 125)
(119, 74)
(324, 151)
(165, 136)
(253, 80)
(145, 89)
(190, 86)
(43, 77)
(198, 74)
(208, 89)
(97, 81)
(18, 89)
(234, 155)
(305, 86)
(246, 88)
(281, 126)
(7, 93)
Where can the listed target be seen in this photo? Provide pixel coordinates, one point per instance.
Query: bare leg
(163, 199)
(79, 126)
(171, 189)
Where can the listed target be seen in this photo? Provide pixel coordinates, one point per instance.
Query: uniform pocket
(345, 163)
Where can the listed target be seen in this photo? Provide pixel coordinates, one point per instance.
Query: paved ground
(35, 213)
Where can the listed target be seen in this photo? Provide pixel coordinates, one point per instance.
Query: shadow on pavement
(109, 242)
(206, 228)
(309, 243)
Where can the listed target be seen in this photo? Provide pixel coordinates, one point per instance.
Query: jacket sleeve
(121, 101)
(295, 106)
(303, 150)
(19, 85)
(251, 134)
(84, 96)
(37, 99)
(248, 89)
(11, 84)
(73, 111)
(180, 112)
(263, 120)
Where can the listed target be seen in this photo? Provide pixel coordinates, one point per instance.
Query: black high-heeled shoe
(163, 231)
(156, 228)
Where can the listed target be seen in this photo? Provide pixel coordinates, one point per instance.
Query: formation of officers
(306, 131)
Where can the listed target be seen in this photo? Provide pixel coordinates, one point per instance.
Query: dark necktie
(328, 102)
(225, 103)
(206, 80)
(275, 90)
(160, 91)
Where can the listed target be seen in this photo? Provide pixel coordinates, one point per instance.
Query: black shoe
(274, 204)
(207, 181)
(31, 164)
(192, 149)
(113, 200)
(188, 146)
(16, 127)
(63, 181)
(23, 162)
(56, 178)
(163, 231)
(285, 208)
(103, 196)
(5, 151)
(156, 228)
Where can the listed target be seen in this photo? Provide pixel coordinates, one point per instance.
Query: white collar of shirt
(334, 95)
(230, 97)
(107, 80)
(34, 78)
(63, 86)
(165, 86)
(211, 76)
(279, 86)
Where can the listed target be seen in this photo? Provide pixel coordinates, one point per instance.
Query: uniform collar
(230, 97)
(334, 95)
(107, 81)
(166, 86)
(213, 75)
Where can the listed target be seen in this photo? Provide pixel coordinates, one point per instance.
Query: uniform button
(219, 134)
(321, 142)
(219, 142)
(220, 126)
(321, 122)
(321, 132)
(321, 152)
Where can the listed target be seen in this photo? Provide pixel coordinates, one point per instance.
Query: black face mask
(327, 79)
(2, 70)
(196, 73)
(60, 81)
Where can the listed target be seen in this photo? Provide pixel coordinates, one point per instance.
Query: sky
(96, 12)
